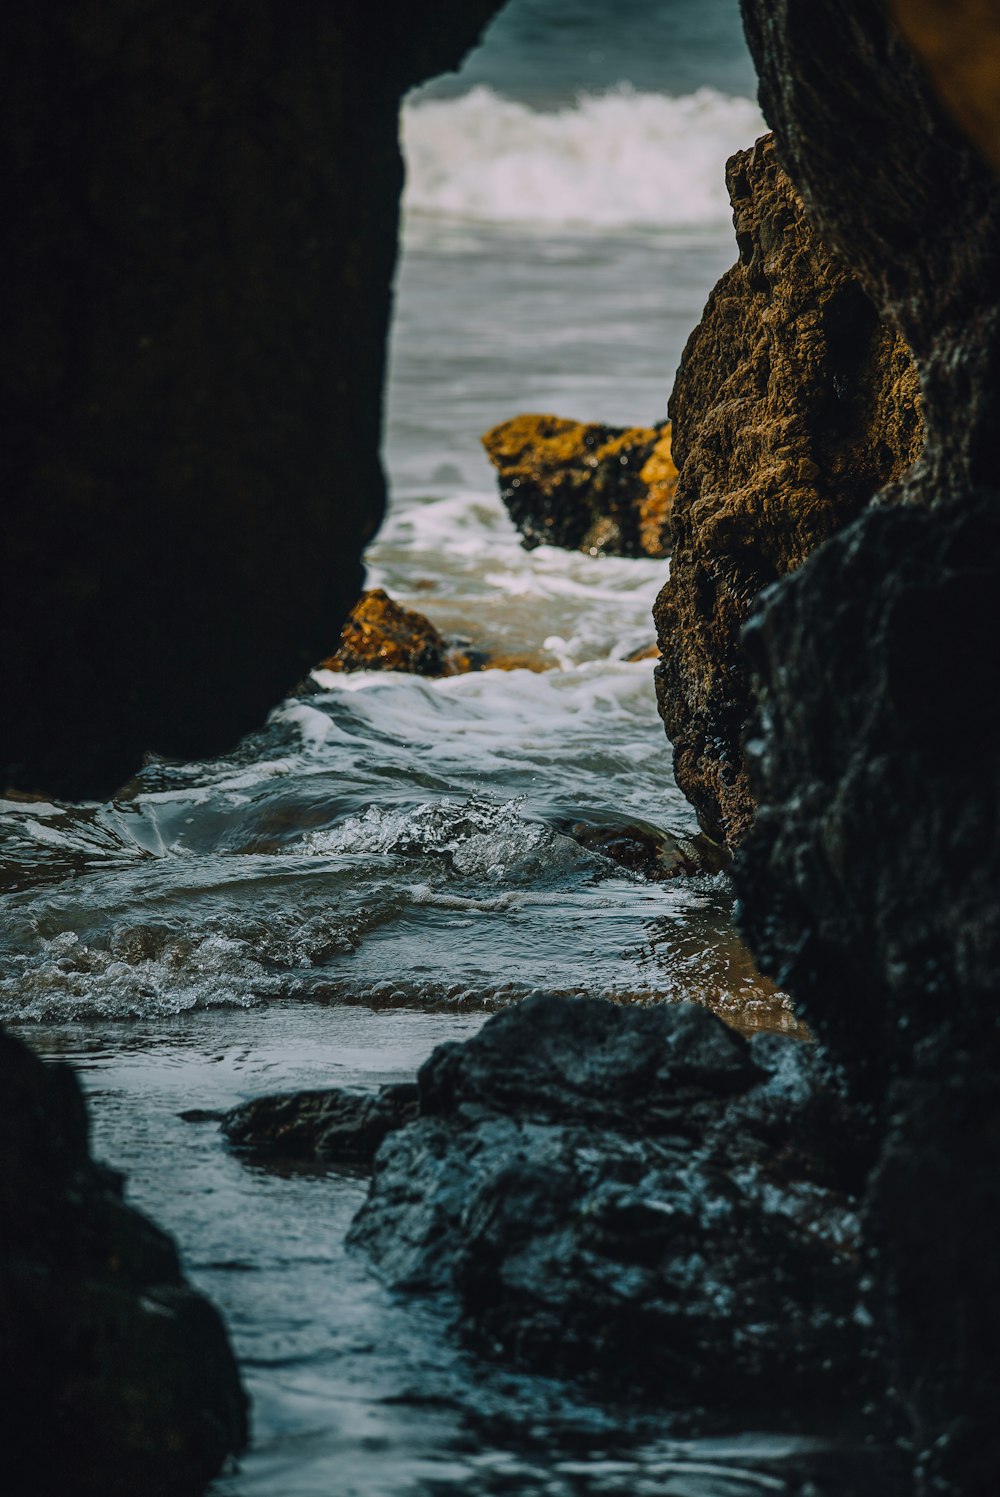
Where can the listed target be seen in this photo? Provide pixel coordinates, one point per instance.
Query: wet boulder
(604, 490)
(381, 635)
(635, 1196)
(336, 1126)
(119, 1377)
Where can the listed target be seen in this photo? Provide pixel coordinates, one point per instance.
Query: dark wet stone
(869, 881)
(636, 1196)
(335, 1126)
(646, 850)
(118, 1377)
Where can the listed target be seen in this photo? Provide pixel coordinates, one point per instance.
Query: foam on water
(617, 158)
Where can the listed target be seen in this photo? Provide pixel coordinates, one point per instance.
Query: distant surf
(621, 158)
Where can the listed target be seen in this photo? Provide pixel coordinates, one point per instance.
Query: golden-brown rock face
(958, 42)
(382, 635)
(605, 490)
(793, 404)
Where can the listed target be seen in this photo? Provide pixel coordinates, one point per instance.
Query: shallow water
(383, 863)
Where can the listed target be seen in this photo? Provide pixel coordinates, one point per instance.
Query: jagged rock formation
(792, 405)
(381, 635)
(118, 1377)
(604, 490)
(870, 880)
(200, 215)
(636, 1196)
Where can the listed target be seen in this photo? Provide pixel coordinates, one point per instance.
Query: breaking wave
(613, 159)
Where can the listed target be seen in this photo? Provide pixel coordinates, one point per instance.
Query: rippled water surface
(387, 859)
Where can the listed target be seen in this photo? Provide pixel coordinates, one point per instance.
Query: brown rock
(381, 635)
(792, 405)
(605, 490)
(958, 41)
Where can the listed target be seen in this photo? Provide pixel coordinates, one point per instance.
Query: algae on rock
(604, 490)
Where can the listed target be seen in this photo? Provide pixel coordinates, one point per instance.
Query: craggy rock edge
(870, 880)
(793, 403)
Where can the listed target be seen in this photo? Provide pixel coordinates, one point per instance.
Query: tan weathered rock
(381, 635)
(793, 404)
(605, 490)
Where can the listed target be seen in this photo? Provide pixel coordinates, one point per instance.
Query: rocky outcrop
(869, 883)
(604, 490)
(636, 1196)
(118, 1377)
(381, 635)
(792, 405)
(200, 222)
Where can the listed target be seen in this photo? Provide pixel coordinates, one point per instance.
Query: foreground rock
(118, 1375)
(792, 405)
(870, 883)
(191, 383)
(637, 1196)
(605, 490)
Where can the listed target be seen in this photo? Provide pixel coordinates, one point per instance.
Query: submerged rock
(647, 850)
(605, 490)
(118, 1376)
(331, 1127)
(633, 1195)
(381, 635)
(793, 403)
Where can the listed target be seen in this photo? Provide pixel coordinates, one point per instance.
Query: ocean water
(383, 864)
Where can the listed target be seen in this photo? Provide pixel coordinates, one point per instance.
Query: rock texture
(958, 41)
(637, 1196)
(870, 880)
(606, 490)
(200, 215)
(118, 1377)
(381, 635)
(793, 404)
(329, 1127)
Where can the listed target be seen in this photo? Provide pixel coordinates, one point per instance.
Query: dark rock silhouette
(118, 1377)
(793, 403)
(200, 215)
(870, 879)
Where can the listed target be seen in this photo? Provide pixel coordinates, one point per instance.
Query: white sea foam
(618, 158)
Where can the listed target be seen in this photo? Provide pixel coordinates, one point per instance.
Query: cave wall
(793, 403)
(200, 213)
(869, 881)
